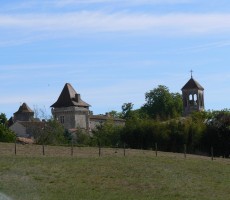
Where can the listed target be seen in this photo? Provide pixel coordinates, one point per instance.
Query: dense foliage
(218, 132)
(162, 104)
(52, 133)
(170, 135)
(6, 135)
(199, 132)
(3, 119)
(158, 121)
(107, 134)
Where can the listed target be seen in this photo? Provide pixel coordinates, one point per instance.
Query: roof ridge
(192, 84)
(69, 97)
(24, 108)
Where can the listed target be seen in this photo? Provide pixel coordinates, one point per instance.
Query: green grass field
(85, 175)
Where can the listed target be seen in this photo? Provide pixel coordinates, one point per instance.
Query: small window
(195, 97)
(62, 119)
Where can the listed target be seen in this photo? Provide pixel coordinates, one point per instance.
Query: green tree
(3, 119)
(107, 134)
(83, 138)
(114, 114)
(6, 135)
(162, 104)
(126, 110)
(194, 128)
(52, 133)
(218, 132)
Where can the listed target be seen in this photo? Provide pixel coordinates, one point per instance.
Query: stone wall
(72, 117)
(19, 130)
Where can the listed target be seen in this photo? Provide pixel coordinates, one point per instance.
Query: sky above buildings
(112, 51)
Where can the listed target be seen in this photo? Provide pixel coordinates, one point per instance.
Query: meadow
(84, 175)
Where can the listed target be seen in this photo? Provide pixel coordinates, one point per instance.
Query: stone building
(26, 129)
(96, 120)
(193, 97)
(70, 109)
(23, 123)
(24, 113)
(74, 113)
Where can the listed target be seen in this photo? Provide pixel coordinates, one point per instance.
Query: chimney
(77, 97)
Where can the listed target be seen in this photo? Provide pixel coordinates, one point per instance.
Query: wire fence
(33, 150)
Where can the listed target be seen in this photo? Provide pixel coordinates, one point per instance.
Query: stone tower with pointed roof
(193, 97)
(70, 109)
(24, 113)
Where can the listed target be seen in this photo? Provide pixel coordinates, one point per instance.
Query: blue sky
(112, 51)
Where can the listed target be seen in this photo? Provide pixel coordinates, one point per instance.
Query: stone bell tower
(193, 97)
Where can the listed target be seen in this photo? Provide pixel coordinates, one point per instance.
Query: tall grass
(139, 175)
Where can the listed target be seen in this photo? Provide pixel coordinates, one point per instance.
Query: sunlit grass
(139, 175)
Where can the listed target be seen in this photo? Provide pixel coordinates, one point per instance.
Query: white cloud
(207, 46)
(31, 67)
(88, 22)
(130, 2)
(53, 5)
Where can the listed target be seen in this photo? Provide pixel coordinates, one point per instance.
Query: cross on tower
(191, 73)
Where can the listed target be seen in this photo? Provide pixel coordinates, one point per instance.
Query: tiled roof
(69, 97)
(24, 108)
(105, 117)
(192, 84)
(32, 124)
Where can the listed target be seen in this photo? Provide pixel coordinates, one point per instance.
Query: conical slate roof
(192, 84)
(24, 108)
(69, 97)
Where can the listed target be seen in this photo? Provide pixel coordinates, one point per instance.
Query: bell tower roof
(192, 84)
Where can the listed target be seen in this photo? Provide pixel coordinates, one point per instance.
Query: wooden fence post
(15, 148)
(72, 148)
(156, 149)
(212, 153)
(124, 150)
(185, 150)
(99, 151)
(116, 148)
(43, 150)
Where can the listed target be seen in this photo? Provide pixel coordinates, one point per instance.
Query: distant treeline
(159, 121)
(200, 132)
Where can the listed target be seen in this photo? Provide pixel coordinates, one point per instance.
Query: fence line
(76, 151)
